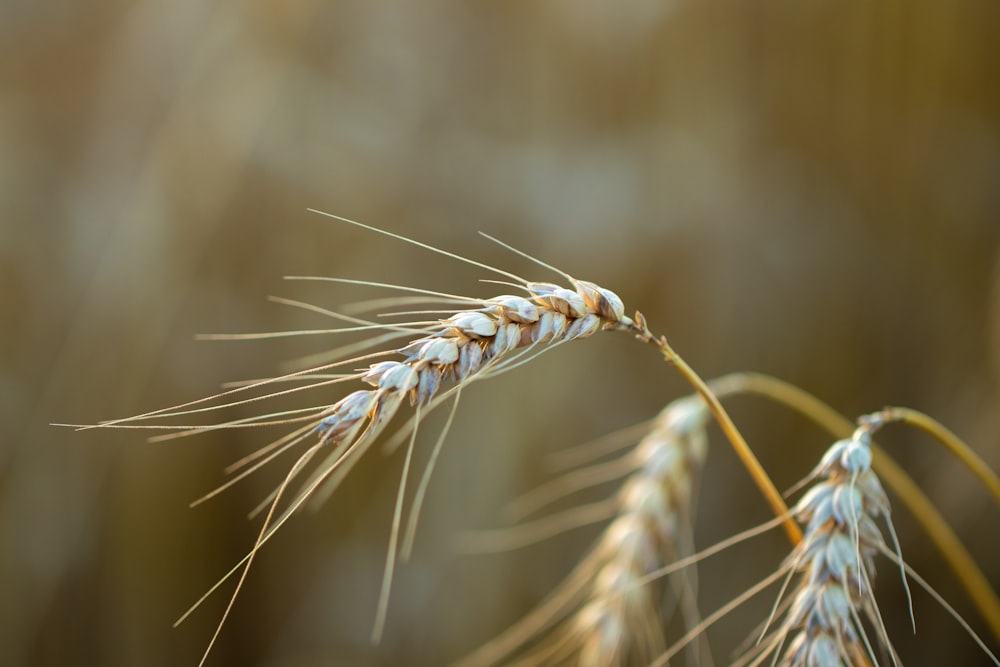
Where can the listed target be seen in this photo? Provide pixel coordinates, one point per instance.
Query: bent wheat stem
(959, 449)
(740, 446)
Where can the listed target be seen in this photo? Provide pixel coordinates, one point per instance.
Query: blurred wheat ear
(607, 612)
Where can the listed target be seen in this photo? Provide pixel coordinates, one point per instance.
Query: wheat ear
(823, 623)
(469, 345)
(835, 563)
(484, 338)
(607, 612)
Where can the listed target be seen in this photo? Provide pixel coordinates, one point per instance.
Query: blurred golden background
(809, 189)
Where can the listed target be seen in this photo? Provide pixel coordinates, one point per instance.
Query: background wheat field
(808, 189)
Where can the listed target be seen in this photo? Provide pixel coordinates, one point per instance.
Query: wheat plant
(617, 606)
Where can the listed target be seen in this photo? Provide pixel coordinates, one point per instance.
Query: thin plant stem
(951, 442)
(740, 446)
